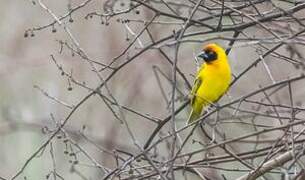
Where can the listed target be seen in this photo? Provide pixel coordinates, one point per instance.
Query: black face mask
(208, 56)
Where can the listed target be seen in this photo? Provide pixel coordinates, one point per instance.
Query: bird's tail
(196, 112)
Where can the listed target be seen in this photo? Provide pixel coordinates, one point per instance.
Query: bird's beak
(203, 55)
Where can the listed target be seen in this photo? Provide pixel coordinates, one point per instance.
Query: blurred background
(50, 52)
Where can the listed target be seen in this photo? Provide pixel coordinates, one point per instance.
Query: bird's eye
(211, 56)
(208, 56)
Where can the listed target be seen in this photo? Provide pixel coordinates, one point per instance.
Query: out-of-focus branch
(278, 161)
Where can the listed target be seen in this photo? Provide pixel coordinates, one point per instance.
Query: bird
(212, 80)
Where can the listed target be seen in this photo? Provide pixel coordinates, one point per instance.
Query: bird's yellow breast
(216, 79)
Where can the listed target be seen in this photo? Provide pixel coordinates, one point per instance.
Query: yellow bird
(212, 80)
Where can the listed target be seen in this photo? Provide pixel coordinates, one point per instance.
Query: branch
(274, 163)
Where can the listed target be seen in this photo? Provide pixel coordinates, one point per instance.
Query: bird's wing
(195, 88)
